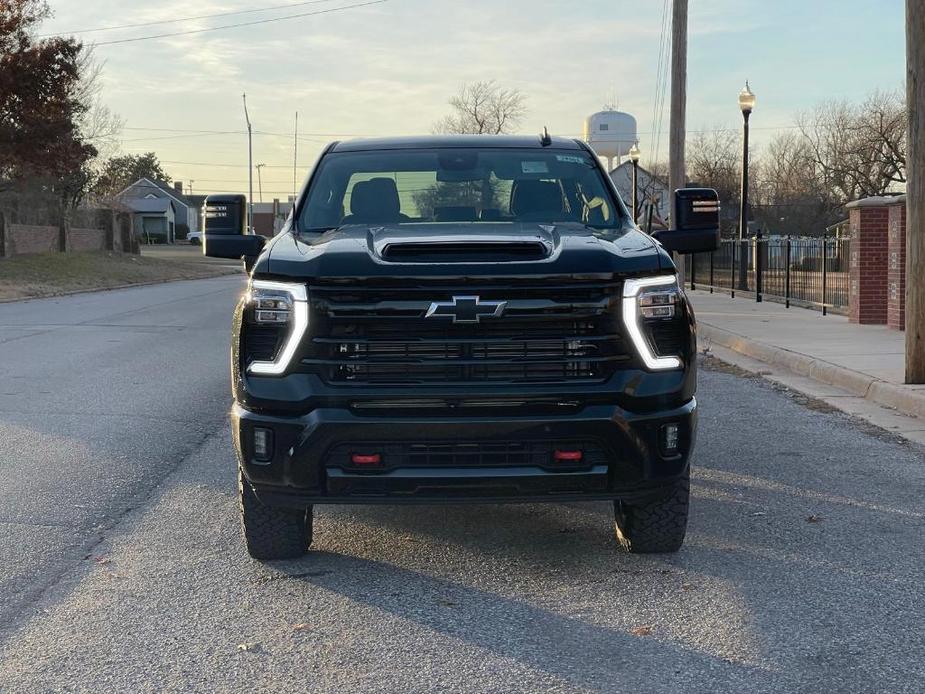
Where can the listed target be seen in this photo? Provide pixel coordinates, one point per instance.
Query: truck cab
(465, 319)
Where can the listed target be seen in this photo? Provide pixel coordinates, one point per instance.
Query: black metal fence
(805, 271)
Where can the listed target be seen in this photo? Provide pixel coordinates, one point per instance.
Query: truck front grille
(547, 334)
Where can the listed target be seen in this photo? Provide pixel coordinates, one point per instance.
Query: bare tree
(859, 149)
(714, 161)
(794, 197)
(484, 108)
(99, 125)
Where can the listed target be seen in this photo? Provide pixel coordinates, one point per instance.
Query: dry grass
(29, 276)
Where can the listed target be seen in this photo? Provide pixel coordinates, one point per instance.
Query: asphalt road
(101, 396)
(802, 572)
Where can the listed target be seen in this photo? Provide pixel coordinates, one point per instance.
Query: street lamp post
(747, 105)
(634, 157)
(250, 169)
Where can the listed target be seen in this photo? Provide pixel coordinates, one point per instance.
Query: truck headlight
(647, 299)
(281, 306)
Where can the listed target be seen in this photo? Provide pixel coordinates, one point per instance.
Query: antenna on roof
(545, 140)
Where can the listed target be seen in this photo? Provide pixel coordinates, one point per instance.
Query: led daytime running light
(631, 320)
(299, 296)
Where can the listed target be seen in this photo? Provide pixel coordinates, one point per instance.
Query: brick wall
(27, 238)
(86, 240)
(868, 289)
(896, 265)
(114, 232)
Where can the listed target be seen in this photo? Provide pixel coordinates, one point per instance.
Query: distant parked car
(195, 238)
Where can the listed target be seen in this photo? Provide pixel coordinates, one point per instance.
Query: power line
(661, 83)
(241, 24)
(186, 19)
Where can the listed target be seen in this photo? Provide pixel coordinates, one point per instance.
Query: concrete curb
(906, 399)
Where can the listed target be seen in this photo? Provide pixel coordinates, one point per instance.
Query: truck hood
(464, 249)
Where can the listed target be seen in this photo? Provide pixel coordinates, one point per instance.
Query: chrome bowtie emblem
(466, 309)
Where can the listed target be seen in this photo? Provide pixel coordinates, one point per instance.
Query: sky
(389, 68)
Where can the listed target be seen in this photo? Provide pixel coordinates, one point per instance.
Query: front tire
(654, 526)
(269, 532)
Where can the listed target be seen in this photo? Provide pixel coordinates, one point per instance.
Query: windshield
(458, 185)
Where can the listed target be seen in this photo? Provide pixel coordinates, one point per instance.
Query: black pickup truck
(464, 319)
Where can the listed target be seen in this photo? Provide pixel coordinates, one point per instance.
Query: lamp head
(746, 99)
(634, 153)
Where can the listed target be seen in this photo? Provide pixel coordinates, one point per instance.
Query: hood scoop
(421, 246)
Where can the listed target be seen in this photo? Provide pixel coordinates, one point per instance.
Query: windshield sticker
(570, 159)
(534, 167)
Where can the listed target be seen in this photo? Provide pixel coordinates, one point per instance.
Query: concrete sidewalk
(865, 360)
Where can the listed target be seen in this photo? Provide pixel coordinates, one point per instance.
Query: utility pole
(250, 168)
(295, 158)
(915, 192)
(677, 173)
(260, 181)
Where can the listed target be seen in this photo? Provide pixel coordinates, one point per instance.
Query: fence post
(712, 254)
(2, 234)
(824, 263)
(732, 277)
(693, 257)
(758, 266)
(787, 274)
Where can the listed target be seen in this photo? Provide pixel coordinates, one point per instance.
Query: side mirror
(697, 222)
(234, 246)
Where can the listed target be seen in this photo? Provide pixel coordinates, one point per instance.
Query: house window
(605, 126)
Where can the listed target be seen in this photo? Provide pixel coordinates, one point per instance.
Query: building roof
(160, 186)
(628, 167)
(460, 141)
(148, 204)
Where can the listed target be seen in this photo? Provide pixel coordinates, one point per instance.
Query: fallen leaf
(102, 560)
(249, 647)
(642, 630)
(687, 586)
(813, 519)
(301, 626)
(446, 603)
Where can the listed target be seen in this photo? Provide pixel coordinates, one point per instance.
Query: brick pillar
(896, 265)
(867, 294)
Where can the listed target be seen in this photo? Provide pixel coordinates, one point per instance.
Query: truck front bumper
(316, 458)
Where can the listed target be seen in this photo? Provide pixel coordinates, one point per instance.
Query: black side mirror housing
(696, 224)
(234, 246)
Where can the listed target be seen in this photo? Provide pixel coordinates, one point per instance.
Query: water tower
(611, 134)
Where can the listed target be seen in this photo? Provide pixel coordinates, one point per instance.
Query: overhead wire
(178, 20)
(240, 24)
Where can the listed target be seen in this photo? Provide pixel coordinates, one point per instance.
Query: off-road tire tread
(272, 533)
(656, 526)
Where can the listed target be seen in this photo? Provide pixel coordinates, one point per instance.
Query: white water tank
(610, 134)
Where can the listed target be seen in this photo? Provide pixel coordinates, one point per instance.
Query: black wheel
(194, 242)
(657, 525)
(272, 533)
